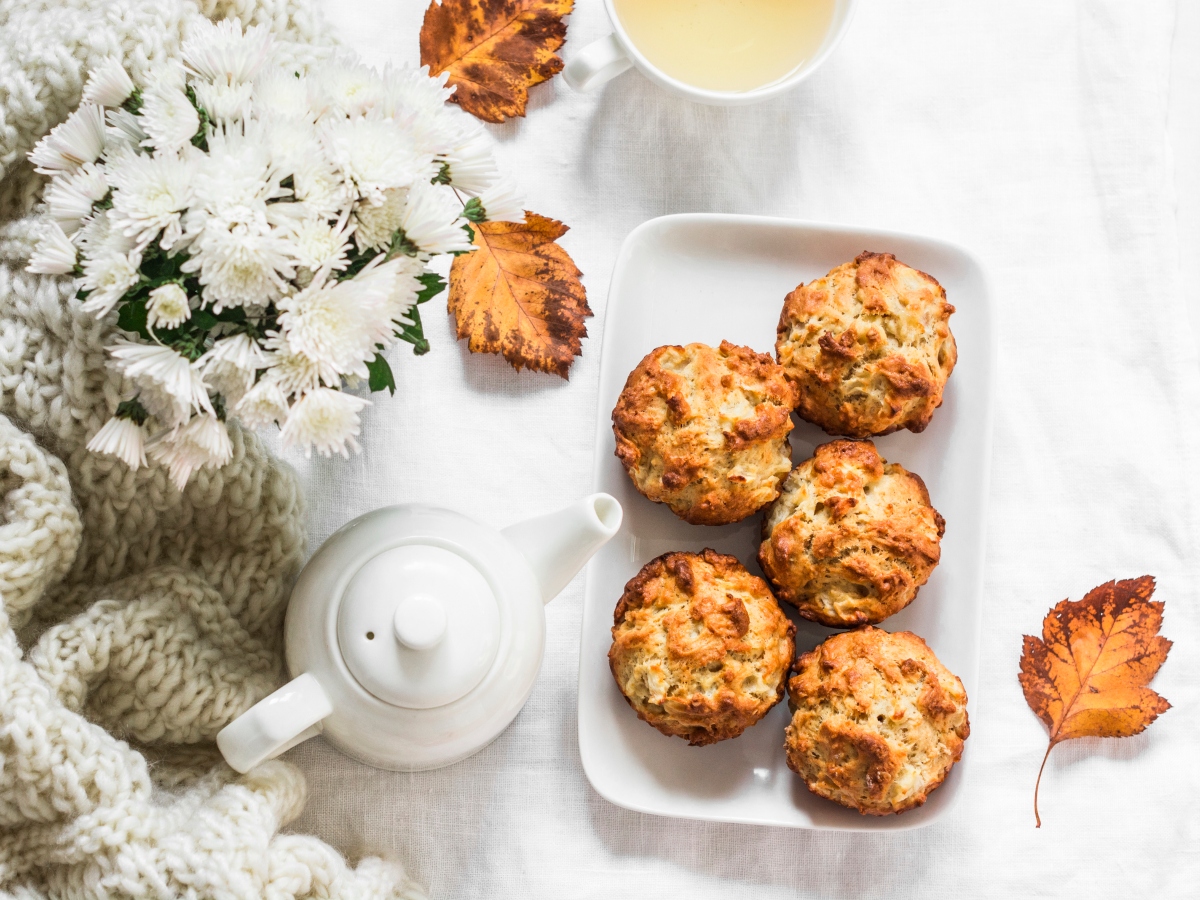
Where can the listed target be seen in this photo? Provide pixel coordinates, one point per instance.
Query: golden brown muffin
(878, 720)
(851, 538)
(869, 346)
(700, 647)
(705, 431)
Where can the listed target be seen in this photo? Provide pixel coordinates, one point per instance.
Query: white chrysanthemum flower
(320, 187)
(409, 90)
(339, 324)
(431, 220)
(471, 163)
(434, 132)
(377, 224)
(108, 85)
(122, 438)
(149, 193)
(282, 94)
(97, 236)
(230, 367)
(325, 420)
(54, 254)
(202, 443)
(70, 195)
(398, 279)
(106, 277)
(293, 372)
(238, 171)
(168, 307)
(224, 54)
(171, 74)
(225, 102)
(344, 86)
(76, 141)
(315, 244)
(296, 150)
(239, 259)
(374, 155)
(168, 118)
(169, 387)
(503, 202)
(289, 142)
(263, 405)
(124, 132)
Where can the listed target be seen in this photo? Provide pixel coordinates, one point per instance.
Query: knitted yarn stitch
(135, 621)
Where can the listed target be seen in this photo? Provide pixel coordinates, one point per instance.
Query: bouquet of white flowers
(260, 233)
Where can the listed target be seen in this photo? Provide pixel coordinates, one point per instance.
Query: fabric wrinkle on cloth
(1034, 135)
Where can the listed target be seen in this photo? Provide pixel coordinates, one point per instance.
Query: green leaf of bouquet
(133, 410)
(132, 317)
(433, 284)
(414, 333)
(380, 375)
(356, 261)
(203, 319)
(234, 314)
(187, 345)
(200, 138)
(159, 268)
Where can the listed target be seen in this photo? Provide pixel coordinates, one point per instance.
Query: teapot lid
(418, 626)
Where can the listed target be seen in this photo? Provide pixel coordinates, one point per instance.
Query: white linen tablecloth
(1034, 133)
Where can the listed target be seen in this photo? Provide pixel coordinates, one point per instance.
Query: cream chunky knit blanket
(135, 622)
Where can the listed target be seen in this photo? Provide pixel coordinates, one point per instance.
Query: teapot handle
(274, 724)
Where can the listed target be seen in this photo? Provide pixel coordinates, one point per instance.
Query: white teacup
(608, 57)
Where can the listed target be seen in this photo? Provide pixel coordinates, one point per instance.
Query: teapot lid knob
(420, 622)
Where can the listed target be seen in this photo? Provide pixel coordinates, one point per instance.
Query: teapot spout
(558, 545)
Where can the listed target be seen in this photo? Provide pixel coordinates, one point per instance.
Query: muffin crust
(705, 430)
(869, 347)
(851, 538)
(878, 721)
(700, 648)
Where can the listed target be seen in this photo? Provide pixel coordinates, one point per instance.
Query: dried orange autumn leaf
(494, 50)
(519, 294)
(1087, 675)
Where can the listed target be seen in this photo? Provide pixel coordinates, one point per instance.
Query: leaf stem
(1037, 815)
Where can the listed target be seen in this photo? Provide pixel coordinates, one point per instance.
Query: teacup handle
(274, 724)
(598, 62)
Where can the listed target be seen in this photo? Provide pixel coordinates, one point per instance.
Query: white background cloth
(1037, 134)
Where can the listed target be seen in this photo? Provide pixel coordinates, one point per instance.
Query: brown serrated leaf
(1087, 675)
(494, 50)
(519, 294)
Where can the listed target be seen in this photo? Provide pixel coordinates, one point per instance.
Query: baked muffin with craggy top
(704, 430)
(851, 538)
(869, 347)
(700, 648)
(878, 721)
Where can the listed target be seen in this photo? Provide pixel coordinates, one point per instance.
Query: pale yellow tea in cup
(726, 45)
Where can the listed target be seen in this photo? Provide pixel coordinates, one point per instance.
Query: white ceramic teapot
(414, 634)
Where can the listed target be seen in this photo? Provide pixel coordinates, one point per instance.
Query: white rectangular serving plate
(708, 277)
